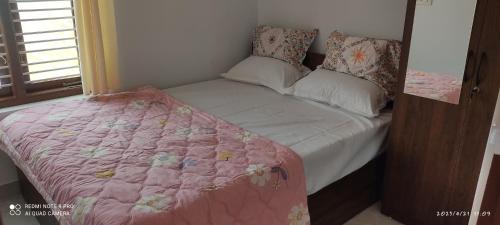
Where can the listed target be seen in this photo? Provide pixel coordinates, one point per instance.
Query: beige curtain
(96, 29)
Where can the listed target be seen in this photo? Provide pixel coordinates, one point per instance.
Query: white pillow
(351, 93)
(269, 72)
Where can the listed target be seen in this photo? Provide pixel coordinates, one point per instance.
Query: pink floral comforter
(146, 158)
(435, 86)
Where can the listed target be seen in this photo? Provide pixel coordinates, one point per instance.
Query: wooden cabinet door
(479, 113)
(436, 148)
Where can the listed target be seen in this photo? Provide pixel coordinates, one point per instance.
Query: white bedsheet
(332, 142)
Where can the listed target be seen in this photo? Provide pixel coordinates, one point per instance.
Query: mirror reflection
(438, 50)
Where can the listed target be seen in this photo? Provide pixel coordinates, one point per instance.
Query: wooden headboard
(313, 60)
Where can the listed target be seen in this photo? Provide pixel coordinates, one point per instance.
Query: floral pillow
(372, 59)
(289, 45)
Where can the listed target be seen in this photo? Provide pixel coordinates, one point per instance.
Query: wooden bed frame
(333, 205)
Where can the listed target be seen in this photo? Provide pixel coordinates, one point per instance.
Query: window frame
(21, 92)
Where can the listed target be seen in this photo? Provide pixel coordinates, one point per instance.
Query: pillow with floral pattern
(289, 45)
(372, 59)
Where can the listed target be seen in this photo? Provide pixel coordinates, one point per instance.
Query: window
(38, 51)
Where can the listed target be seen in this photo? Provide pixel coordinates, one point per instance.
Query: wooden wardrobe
(436, 148)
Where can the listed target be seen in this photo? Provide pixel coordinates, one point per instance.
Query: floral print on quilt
(442, 87)
(146, 158)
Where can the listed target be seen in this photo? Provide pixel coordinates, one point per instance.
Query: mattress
(332, 142)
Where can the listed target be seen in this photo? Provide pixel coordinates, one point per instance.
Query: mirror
(438, 50)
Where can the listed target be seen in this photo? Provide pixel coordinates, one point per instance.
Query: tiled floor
(370, 216)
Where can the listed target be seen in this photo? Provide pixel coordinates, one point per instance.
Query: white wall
(169, 43)
(441, 34)
(492, 149)
(380, 18)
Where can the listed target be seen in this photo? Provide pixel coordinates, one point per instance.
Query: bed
(340, 150)
(332, 142)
